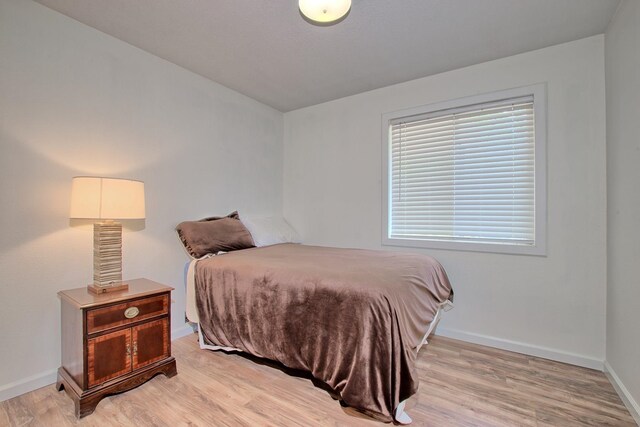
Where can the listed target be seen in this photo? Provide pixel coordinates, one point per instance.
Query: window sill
(498, 248)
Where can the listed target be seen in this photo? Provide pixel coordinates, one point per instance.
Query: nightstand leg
(86, 406)
(83, 406)
(171, 370)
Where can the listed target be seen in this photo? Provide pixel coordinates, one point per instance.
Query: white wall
(552, 306)
(74, 101)
(623, 199)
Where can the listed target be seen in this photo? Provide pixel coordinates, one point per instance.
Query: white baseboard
(524, 348)
(627, 399)
(182, 331)
(34, 382)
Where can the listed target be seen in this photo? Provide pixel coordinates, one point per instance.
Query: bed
(355, 319)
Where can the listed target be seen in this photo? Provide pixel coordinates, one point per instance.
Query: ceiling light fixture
(324, 12)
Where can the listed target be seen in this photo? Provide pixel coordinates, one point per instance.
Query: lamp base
(103, 289)
(107, 253)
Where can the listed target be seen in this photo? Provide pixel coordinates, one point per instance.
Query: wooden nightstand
(114, 342)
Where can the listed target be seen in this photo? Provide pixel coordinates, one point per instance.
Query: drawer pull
(131, 312)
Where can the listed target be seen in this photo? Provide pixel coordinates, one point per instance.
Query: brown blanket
(353, 318)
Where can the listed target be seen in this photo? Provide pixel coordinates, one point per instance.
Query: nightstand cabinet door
(150, 342)
(108, 356)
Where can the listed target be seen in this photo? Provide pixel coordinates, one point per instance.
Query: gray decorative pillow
(214, 234)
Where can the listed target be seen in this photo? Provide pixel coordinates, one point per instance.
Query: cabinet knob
(131, 312)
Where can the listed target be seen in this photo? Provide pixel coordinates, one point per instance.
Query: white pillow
(269, 230)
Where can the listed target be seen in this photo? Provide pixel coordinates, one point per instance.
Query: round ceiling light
(324, 11)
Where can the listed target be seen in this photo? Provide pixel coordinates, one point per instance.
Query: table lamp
(106, 200)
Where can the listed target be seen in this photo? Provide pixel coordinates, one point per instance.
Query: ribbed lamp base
(107, 254)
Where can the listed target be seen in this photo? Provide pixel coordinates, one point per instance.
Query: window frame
(539, 93)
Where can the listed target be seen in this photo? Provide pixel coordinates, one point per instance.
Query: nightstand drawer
(102, 319)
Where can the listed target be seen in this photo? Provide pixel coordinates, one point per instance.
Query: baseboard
(182, 331)
(524, 348)
(627, 399)
(34, 382)
(16, 388)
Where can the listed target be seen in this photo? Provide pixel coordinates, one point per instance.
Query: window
(468, 174)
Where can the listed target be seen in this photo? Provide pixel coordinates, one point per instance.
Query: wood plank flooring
(462, 384)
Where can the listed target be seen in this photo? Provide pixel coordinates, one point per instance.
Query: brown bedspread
(353, 318)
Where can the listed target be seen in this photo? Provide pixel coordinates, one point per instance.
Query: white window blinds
(465, 174)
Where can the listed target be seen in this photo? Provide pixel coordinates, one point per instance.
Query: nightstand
(113, 342)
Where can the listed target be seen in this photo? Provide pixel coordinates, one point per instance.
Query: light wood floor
(461, 385)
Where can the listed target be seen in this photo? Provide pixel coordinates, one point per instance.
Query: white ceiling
(264, 49)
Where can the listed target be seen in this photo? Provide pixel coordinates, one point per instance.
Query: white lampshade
(106, 198)
(324, 11)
